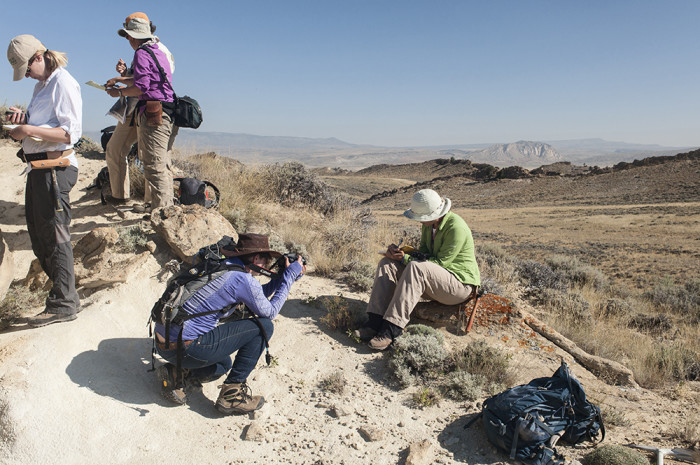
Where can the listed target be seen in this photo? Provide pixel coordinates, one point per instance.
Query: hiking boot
(166, 377)
(365, 333)
(115, 200)
(380, 342)
(44, 318)
(145, 208)
(235, 398)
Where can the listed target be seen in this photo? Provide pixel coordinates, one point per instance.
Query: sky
(399, 73)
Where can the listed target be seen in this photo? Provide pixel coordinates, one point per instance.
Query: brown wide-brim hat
(250, 244)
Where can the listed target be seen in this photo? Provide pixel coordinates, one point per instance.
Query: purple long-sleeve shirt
(147, 77)
(232, 288)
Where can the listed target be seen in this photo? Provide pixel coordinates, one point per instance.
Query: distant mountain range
(332, 152)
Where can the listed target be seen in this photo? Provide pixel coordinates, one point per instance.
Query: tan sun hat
(21, 49)
(427, 205)
(137, 26)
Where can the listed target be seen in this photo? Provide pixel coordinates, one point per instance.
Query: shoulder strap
(160, 68)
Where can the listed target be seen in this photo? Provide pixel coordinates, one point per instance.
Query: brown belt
(53, 159)
(160, 342)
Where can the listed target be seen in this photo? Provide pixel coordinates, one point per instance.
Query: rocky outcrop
(186, 228)
(523, 153)
(99, 262)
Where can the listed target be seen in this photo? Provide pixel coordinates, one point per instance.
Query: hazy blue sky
(400, 72)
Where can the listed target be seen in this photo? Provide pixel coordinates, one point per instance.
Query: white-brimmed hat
(427, 205)
(137, 27)
(21, 49)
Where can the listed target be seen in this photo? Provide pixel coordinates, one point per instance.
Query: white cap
(21, 49)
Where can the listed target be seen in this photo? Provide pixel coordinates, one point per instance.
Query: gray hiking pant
(50, 234)
(398, 288)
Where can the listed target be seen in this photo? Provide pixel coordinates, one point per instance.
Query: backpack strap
(215, 202)
(160, 68)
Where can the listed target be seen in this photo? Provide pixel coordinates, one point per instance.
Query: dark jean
(209, 356)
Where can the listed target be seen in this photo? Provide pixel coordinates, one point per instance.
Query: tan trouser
(116, 154)
(398, 288)
(155, 143)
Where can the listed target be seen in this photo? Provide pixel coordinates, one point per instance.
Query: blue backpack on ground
(527, 421)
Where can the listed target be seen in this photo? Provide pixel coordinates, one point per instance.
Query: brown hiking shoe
(167, 377)
(380, 342)
(44, 318)
(235, 398)
(364, 333)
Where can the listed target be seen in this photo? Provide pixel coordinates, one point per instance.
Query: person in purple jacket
(154, 126)
(208, 345)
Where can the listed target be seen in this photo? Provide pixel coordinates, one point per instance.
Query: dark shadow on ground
(119, 369)
(469, 445)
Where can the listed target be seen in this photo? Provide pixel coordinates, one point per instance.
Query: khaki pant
(155, 143)
(398, 288)
(116, 154)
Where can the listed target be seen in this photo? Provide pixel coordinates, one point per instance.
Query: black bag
(184, 111)
(192, 191)
(527, 421)
(107, 136)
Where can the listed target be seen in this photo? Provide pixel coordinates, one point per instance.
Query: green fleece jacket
(452, 249)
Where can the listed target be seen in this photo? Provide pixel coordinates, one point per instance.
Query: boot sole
(61, 319)
(165, 382)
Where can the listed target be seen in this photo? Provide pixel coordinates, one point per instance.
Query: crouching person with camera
(207, 344)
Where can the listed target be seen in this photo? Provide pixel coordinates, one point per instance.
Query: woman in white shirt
(48, 130)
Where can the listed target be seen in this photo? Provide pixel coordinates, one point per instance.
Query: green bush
(132, 238)
(611, 454)
(461, 385)
(540, 276)
(578, 273)
(418, 356)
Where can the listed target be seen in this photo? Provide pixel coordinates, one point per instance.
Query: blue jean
(209, 356)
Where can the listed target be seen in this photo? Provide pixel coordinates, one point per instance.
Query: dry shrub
(461, 385)
(342, 315)
(335, 383)
(683, 300)
(498, 270)
(611, 454)
(578, 273)
(672, 360)
(688, 431)
(478, 358)
(18, 300)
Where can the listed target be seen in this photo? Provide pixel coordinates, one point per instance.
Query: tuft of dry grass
(335, 383)
(18, 300)
(342, 315)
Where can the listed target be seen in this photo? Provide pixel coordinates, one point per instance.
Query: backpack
(527, 421)
(102, 183)
(210, 264)
(194, 192)
(184, 111)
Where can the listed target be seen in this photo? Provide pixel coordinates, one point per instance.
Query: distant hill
(335, 153)
(521, 153)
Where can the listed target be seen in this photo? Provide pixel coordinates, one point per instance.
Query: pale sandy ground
(80, 392)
